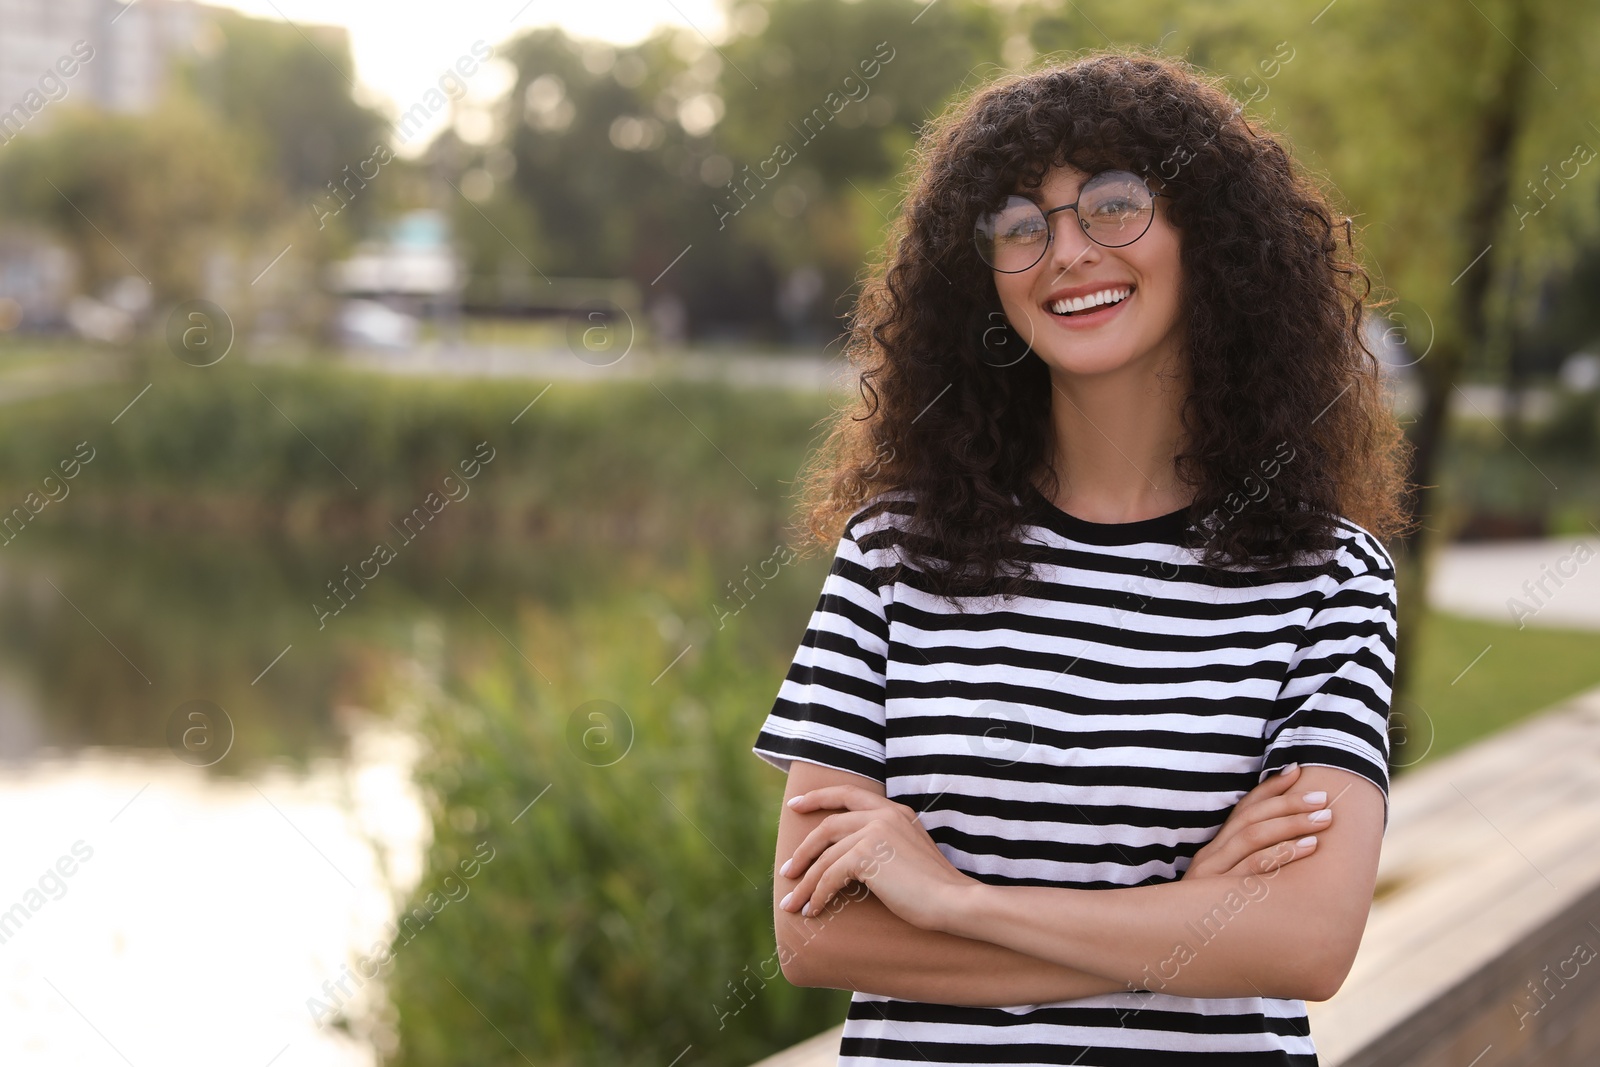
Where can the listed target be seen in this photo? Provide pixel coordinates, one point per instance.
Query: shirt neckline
(1166, 529)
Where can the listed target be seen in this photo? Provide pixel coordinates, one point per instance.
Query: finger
(1269, 832)
(1241, 819)
(1278, 856)
(849, 797)
(1292, 803)
(831, 829)
(805, 893)
(836, 876)
(1274, 786)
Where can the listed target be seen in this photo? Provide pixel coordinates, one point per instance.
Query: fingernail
(1306, 842)
(784, 870)
(1315, 798)
(806, 909)
(784, 903)
(795, 800)
(1323, 815)
(1289, 768)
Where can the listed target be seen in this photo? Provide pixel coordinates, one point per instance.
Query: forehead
(1061, 179)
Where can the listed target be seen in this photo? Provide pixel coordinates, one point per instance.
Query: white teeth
(1081, 303)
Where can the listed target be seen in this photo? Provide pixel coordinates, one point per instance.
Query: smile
(1093, 307)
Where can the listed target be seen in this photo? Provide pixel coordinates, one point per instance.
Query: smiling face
(1144, 329)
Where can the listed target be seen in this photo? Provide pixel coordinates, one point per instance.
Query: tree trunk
(1501, 119)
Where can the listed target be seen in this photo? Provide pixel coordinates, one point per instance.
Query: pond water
(185, 918)
(165, 902)
(212, 807)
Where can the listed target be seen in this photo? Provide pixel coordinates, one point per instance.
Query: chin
(1087, 360)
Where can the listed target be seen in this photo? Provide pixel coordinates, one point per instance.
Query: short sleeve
(1333, 708)
(830, 706)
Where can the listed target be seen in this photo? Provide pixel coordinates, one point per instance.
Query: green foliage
(1551, 478)
(237, 446)
(193, 193)
(625, 904)
(289, 96)
(132, 195)
(656, 179)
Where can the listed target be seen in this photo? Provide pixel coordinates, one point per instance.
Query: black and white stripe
(1092, 733)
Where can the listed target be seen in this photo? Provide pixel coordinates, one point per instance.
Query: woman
(1110, 560)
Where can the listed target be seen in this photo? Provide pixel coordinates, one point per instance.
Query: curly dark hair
(1274, 344)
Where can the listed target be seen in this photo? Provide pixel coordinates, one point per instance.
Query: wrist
(960, 909)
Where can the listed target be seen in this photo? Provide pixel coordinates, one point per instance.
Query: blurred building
(415, 260)
(129, 48)
(132, 47)
(412, 271)
(36, 280)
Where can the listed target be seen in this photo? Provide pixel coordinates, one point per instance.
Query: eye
(1019, 223)
(1023, 227)
(1116, 207)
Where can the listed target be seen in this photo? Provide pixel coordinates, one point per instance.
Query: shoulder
(1359, 554)
(870, 551)
(882, 518)
(1357, 582)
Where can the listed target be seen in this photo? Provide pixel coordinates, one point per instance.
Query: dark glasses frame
(1049, 230)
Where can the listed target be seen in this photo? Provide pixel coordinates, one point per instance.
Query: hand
(877, 842)
(1269, 827)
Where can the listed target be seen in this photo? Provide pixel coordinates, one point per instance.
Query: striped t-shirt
(1093, 733)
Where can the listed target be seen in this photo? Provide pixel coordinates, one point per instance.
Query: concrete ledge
(1483, 945)
(819, 1051)
(1489, 875)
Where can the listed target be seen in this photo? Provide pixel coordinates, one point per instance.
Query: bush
(624, 905)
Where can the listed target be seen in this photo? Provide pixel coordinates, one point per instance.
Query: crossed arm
(928, 932)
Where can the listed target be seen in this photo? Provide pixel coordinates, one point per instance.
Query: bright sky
(401, 47)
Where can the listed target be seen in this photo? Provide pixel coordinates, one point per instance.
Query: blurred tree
(149, 195)
(1573, 321)
(752, 173)
(1466, 144)
(257, 145)
(823, 102)
(290, 97)
(323, 157)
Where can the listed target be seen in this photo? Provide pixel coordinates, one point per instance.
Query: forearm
(1270, 935)
(857, 943)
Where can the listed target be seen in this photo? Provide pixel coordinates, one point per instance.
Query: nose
(1069, 245)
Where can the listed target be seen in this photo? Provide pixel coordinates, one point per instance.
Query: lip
(1088, 319)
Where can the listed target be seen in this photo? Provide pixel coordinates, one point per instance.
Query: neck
(1115, 439)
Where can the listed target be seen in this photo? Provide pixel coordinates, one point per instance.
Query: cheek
(1014, 297)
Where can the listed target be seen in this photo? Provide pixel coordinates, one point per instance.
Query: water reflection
(170, 913)
(201, 911)
(418, 752)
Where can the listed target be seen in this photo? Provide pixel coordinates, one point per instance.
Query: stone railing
(1483, 945)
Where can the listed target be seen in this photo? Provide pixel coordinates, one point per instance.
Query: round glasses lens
(1013, 238)
(1116, 208)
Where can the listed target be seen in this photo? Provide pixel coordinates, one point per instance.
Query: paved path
(1551, 581)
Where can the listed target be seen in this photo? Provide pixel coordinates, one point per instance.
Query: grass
(1474, 677)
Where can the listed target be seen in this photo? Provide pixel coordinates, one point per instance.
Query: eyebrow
(1037, 194)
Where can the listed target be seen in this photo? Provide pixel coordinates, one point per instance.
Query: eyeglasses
(1114, 209)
